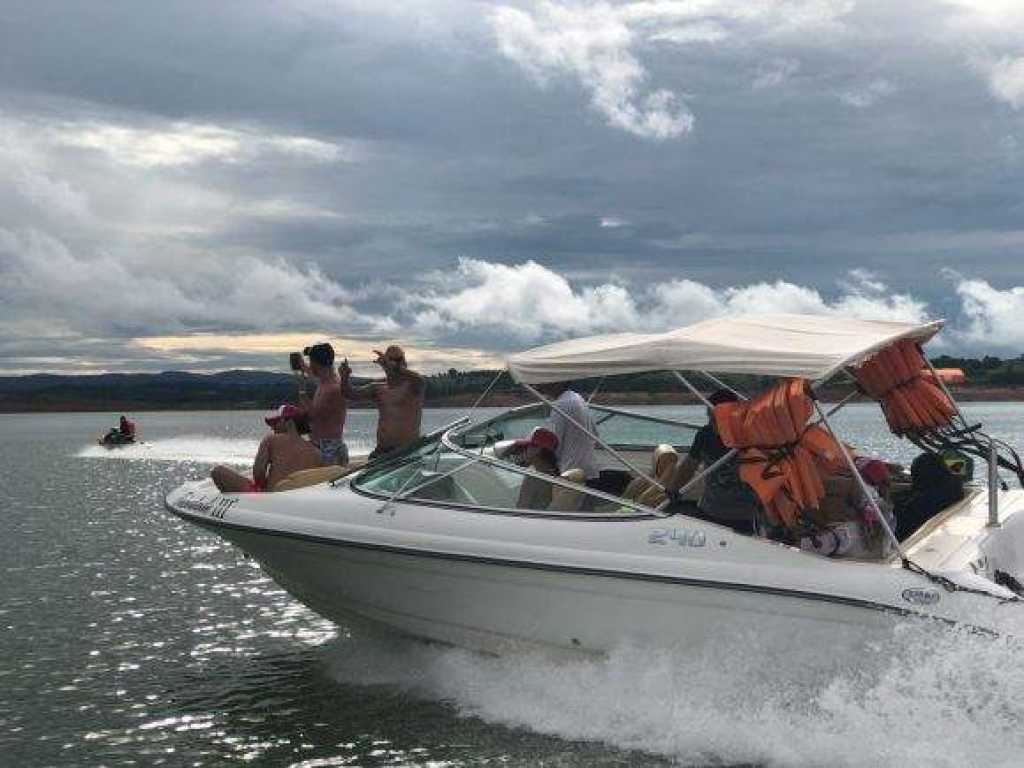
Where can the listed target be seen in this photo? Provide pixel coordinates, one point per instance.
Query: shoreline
(496, 400)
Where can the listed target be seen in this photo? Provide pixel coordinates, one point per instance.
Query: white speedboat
(431, 542)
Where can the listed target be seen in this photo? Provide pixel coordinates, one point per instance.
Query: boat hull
(497, 608)
(496, 583)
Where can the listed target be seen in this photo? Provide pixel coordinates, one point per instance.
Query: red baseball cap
(284, 413)
(539, 438)
(873, 471)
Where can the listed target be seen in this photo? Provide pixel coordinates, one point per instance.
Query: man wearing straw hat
(399, 400)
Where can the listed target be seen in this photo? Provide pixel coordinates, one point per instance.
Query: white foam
(197, 448)
(949, 699)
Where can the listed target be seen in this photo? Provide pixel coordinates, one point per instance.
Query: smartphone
(295, 361)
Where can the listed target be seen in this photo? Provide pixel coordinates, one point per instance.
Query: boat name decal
(921, 596)
(214, 506)
(683, 537)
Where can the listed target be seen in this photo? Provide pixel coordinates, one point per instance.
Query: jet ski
(115, 438)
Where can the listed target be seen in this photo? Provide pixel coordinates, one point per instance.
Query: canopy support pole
(597, 439)
(701, 475)
(644, 417)
(689, 386)
(860, 481)
(842, 404)
(719, 383)
(597, 388)
(485, 392)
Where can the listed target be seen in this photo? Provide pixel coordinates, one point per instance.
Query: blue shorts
(332, 450)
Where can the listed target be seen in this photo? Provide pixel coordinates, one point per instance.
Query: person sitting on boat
(663, 465)
(538, 453)
(726, 499)
(327, 409)
(853, 529)
(570, 421)
(933, 488)
(399, 400)
(281, 453)
(126, 427)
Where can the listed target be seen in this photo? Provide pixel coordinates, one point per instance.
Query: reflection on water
(130, 637)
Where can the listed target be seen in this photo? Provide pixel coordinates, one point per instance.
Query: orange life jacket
(909, 393)
(781, 458)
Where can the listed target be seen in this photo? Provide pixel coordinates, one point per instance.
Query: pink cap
(284, 413)
(539, 438)
(873, 471)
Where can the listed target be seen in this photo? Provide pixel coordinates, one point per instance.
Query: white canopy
(807, 346)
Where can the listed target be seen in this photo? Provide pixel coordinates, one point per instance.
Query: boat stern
(962, 540)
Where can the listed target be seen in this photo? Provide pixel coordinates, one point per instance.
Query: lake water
(128, 637)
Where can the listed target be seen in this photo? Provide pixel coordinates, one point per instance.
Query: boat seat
(317, 475)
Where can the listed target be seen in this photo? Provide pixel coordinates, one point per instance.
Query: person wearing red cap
(281, 452)
(538, 452)
(860, 534)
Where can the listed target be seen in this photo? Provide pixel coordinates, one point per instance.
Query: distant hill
(138, 391)
(179, 390)
(989, 378)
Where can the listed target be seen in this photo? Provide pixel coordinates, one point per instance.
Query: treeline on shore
(987, 378)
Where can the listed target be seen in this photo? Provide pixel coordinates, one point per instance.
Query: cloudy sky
(208, 185)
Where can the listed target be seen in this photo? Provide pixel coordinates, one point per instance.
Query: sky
(204, 186)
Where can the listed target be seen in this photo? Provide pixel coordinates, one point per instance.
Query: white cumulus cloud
(531, 302)
(101, 294)
(602, 45)
(593, 44)
(1006, 80)
(993, 316)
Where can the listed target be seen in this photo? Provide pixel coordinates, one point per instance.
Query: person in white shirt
(575, 447)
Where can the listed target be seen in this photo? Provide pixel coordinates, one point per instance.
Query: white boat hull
(518, 582)
(498, 608)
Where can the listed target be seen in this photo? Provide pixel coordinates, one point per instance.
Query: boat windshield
(435, 473)
(461, 468)
(617, 427)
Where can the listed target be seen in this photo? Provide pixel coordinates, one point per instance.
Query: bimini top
(807, 346)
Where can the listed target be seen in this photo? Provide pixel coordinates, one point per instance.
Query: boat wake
(921, 700)
(198, 449)
(194, 448)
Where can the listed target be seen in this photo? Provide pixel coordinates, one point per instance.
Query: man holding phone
(327, 409)
(399, 400)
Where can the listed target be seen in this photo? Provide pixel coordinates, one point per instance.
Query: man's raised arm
(364, 392)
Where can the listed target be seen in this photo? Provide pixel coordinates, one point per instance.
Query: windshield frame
(446, 438)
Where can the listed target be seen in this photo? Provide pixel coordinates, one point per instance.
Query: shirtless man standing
(399, 400)
(280, 453)
(327, 409)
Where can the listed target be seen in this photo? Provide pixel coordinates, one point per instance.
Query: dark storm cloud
(264, 167)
